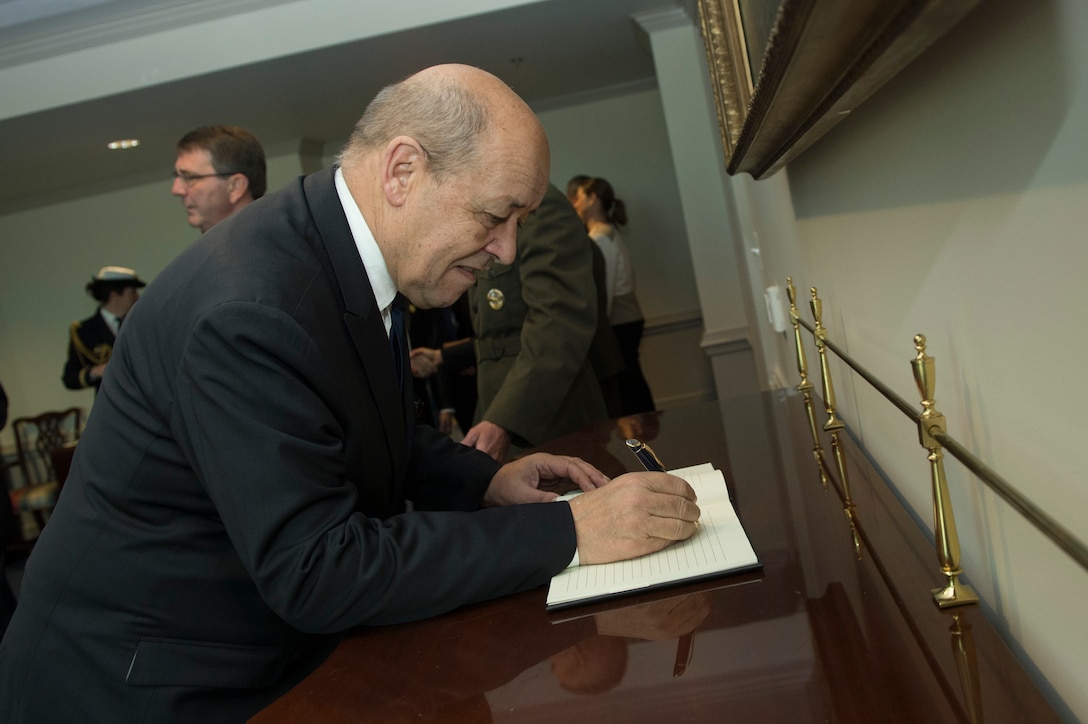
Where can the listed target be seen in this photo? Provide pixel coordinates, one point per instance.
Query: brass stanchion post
(802, 364)
(946, 539)
(833, 424)
(805, 387)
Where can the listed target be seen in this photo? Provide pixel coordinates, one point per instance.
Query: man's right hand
(635, 514)
(489, 438)
(425, 362)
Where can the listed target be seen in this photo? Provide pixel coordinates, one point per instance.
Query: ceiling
(550, 52)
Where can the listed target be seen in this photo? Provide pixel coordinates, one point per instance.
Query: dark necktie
(397, 336)
(451, 329)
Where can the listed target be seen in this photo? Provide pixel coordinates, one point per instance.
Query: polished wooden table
(838, 626)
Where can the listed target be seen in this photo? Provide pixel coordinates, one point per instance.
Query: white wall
(954, 203)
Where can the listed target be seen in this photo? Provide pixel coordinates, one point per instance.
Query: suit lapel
(362, 318)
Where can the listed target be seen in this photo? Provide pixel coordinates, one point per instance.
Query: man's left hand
(519, 481)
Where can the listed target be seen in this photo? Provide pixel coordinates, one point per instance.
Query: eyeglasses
(191, 178)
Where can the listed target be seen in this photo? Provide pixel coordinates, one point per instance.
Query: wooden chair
(41, 442)
(61, 458)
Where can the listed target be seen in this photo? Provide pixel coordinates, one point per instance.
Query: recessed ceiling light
(123, 144)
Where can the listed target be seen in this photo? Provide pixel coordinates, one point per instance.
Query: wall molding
(672, 402)
(672, 322)
(726, 341)
(657, 20)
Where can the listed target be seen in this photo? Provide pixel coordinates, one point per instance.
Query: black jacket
(90, 343)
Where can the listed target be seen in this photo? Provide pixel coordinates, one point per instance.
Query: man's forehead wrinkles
(511, 202)
(504, 206)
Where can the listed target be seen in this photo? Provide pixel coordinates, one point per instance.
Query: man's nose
(504, 246)
(178, 187)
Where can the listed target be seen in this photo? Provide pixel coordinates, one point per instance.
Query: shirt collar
(373, 261)
(110, 319)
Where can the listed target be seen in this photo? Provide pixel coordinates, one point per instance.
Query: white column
(707, 199)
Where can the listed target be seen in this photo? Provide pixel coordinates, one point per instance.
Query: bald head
(449, 110)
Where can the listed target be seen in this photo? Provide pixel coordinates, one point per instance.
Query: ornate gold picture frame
(782, 83)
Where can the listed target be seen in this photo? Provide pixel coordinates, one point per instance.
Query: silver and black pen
(646, 456)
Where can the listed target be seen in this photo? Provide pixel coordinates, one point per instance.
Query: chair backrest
(61, 458)
(37, 437)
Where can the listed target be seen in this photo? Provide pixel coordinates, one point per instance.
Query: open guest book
(719, 547)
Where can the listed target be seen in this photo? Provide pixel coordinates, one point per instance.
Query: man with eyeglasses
(219, 170)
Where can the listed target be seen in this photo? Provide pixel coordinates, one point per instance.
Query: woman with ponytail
(603, 214)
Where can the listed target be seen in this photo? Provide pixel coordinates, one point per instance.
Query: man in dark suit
(90, 342)
(239, 495)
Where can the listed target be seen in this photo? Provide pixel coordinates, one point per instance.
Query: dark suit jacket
(90, 343)
(453, 386)
(238, 494)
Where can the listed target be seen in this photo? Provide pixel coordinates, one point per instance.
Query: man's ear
(403, 163)
(237, 187)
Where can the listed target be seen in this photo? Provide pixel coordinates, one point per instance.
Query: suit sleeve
(458, 356)
(253, 416)
(556, 269)
(437, 461)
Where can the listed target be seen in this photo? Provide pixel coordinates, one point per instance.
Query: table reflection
(442, 669)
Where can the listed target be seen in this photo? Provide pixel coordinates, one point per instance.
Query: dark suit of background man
(218, 172)
(238, 496)
(90, 342)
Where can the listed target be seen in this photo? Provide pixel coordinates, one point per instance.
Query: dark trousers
(9, 532)
(634, 392)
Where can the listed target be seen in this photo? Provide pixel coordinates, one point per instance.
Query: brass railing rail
(895, 399)
(1052, 529)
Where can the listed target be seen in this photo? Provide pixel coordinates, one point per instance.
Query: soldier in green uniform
(535, 322)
